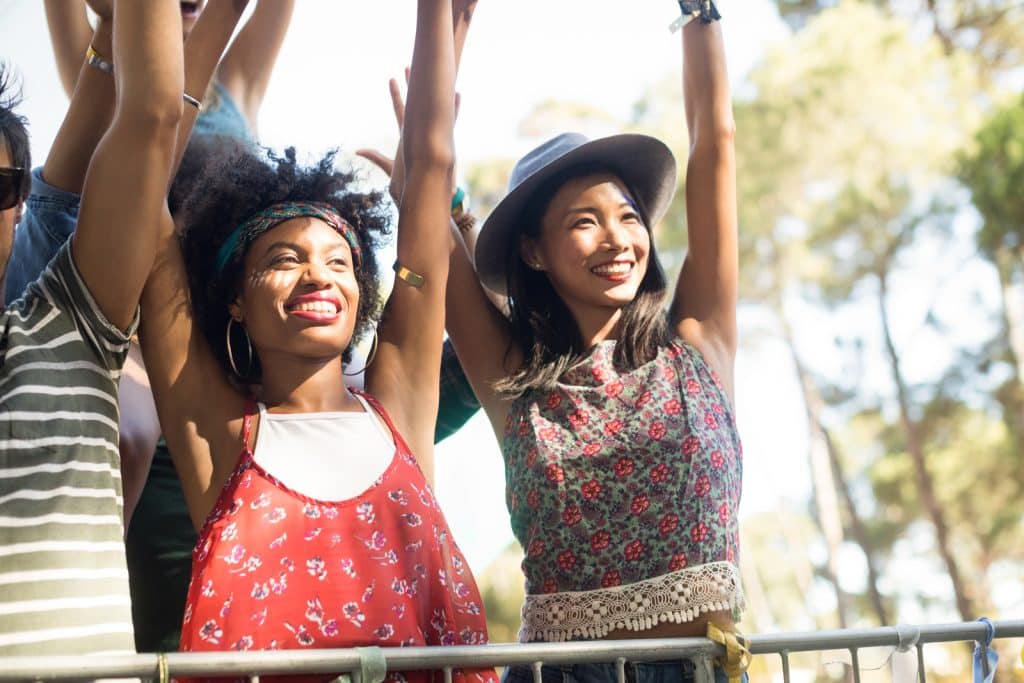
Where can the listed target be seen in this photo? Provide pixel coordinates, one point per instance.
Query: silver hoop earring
(248, 346)
(369, 358)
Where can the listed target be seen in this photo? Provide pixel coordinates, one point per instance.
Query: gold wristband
(409, 277)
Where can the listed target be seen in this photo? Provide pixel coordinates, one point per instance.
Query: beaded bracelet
(465, 223)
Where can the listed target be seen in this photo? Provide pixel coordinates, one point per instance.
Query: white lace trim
(677, 597)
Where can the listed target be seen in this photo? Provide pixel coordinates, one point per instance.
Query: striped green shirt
(63, 577)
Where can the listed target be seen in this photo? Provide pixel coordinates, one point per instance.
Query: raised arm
(704, 309)
(92, 101)
(128, 176)
(404, 375)
(92, 105)
(203, 49)
(70, 33)
(246, 68)
(480, 333)
(180, 364)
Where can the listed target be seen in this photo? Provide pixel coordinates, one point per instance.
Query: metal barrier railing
(354, 661)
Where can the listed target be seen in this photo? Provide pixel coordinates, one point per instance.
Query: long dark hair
(237, 182)
(542, 325)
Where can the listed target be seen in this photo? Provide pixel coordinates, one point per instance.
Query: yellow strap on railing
(737, 656)
(162, 673)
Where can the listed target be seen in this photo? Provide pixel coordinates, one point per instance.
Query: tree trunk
(915, 447)
(860, 533)
(822, 479)
(1012, 314)
(814, 403)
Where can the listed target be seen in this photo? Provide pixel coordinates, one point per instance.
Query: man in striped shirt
(63, 582)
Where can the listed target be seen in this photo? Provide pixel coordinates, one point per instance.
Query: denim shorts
(674, 671)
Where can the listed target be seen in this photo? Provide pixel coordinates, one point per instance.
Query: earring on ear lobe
(231, 355)
(369, 357)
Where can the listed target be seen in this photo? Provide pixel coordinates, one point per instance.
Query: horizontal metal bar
(437, 658)
(844, 639)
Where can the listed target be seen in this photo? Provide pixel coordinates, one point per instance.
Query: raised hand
(394, 167)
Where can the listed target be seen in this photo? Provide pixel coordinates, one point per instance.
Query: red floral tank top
(274, 569)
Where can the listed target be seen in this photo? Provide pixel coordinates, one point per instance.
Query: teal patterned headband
(248, 231)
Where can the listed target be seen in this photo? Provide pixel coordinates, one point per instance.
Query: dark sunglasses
(11, 180)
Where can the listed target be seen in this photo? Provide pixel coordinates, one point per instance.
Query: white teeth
(316, 307)
(612, 269)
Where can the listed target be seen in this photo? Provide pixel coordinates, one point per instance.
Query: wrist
(703, 10)
(103, 39)
(460, 204)
(465, 222)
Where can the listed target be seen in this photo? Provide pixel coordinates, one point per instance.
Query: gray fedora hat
(645, 164)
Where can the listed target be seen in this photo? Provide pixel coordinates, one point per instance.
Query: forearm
(427, 144)
(430, 108)
(248, 65)
(706, 84)
(87, 119)
(148, 62)
(203, 49)
(462, 15)
(69, 28)
(126, 186)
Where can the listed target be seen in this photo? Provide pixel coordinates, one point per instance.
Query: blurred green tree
(993, 171)
(992, 29)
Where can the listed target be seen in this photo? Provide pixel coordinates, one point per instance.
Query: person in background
(63, 581)
(622, 457)
(51, 217)
(15, 162)
(233, 100)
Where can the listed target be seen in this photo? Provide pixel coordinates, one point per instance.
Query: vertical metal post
(921, 675)
(704, 669)
(447, 674)
(620, 670)
(536, 672)
(855, 664)
(255, 678)
(784, 655)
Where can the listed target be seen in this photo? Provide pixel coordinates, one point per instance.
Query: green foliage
(994, 172)
(992, 29)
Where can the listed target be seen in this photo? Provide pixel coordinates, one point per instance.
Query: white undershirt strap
(327, 456)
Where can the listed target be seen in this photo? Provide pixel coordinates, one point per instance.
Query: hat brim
(645, 164)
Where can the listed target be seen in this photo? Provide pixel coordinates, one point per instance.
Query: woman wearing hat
(623, 463)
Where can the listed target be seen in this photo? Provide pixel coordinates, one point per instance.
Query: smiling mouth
(616, 271)
(319, 307)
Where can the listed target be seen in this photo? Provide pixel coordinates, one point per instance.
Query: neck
(598, 326)
(302, 385)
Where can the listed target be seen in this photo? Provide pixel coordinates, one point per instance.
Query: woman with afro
(318, 527)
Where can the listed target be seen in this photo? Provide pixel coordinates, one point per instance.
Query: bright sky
(330, 89)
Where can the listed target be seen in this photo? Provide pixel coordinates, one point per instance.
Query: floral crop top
(623, 490)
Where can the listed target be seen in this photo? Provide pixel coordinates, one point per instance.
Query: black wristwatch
(704, 9)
